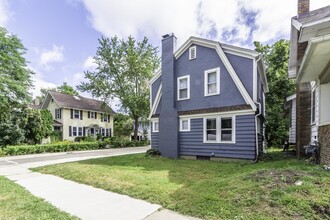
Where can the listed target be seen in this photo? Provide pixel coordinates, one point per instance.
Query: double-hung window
(76, 114)
(219, 129)
(212, 82)
(184, 87)
(74, 131)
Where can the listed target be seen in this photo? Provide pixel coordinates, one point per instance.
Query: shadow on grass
(208, 189)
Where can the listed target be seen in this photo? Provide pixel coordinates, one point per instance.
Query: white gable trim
(155, 76)
(156, 102)
(48, 93)
(215, 45)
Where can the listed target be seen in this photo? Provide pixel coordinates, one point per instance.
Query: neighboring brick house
(309, 64)
(77, 116)
(208, 101)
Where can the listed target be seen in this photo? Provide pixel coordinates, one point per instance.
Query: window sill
(213, 94)
(183, 99)
(184, 130)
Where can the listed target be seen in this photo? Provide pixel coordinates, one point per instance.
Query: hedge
(68, 146)
(50, 148)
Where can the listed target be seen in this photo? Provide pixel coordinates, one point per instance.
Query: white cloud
(89, 64)
(4, 12)
(50, 56)
(38, 83)
(207, 18)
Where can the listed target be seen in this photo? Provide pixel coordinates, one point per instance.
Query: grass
(18, 203)
(212, 189)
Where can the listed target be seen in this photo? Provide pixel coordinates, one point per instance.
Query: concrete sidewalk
(83, 201)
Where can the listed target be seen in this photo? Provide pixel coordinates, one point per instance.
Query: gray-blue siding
(206, 59)
(191, 143)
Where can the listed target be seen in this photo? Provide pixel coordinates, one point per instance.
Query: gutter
(256, 127)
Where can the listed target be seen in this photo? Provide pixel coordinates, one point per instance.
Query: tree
(15, 82)
(123, 125)
(15, 77)
(124, 68)
(47, 123)
(276, 59)
(64, 88)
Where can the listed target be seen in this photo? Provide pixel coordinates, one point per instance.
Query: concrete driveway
(83, 201)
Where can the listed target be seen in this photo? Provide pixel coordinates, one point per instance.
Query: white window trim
(206, 73)
(74, 114)
(218, 129)
(153, 126)
(188, 87)
(191, 48)
(77, 129)
(181, 128)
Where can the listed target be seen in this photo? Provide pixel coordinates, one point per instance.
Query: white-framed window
(74, 131)
(77, 131)
(210, 127)
(105, 118)
(183, 87)
(212, 82)
(219, 129)
(57, 113)
(92, 114)
(76, 114)
(155, 126)
(184, 124)
(226, 129)
(192, 53)
(107, 132)
(313, 103)
(80, 131)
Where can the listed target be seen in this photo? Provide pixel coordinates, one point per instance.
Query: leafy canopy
(124, 68)
(276, 58)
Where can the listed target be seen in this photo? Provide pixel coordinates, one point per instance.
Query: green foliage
(64, 88)
(152, 153)
(11, 131)
(56, 136)
(123, 125)
(124, 68)
(116, 142)
(67, 89)
(15, 82)
(85, 139)
(33, 126)
(15, 77)
(50, 148)
(276, 58)
(46, 122)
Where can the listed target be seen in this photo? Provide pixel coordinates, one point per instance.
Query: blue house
(208, 101)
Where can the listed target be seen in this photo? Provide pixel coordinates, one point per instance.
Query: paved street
(83, 201)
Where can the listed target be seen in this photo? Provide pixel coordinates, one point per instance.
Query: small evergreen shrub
(152, 153)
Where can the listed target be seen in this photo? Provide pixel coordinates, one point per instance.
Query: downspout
(256, 128)
(256, 121)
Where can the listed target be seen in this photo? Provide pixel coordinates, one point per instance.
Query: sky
(61, 36)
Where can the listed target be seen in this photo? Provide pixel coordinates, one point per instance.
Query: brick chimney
(168, 117)
(303, 7)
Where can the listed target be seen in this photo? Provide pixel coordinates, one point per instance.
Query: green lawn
(212, 189)
(18, 203)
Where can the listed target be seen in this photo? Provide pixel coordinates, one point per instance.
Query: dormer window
(192, 53)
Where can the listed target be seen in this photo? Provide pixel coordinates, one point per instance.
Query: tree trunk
(136, 127)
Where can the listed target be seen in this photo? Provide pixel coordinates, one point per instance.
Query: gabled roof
(76, 102)
(313, 24)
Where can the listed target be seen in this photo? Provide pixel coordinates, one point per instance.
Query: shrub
(152, 153)
(50, 148)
